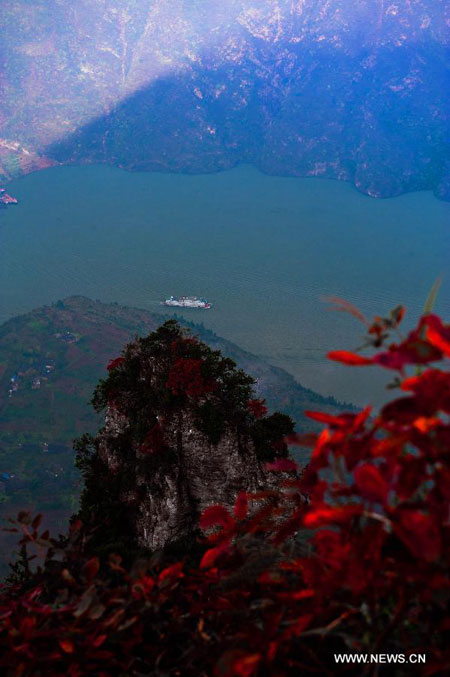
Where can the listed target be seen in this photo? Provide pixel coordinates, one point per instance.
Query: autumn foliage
(350, 555)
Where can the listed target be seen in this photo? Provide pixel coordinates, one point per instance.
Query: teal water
(264, 250)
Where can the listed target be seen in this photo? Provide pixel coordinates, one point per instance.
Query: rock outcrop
(181, 433)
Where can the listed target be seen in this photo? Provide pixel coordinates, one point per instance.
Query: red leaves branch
(281, 580)
(117, 362)
(186, 377)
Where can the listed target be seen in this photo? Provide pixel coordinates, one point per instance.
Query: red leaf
(350, 359)
(412, 351)
(98, 641)
(66, 645)
(282, 465)
(346, 420)
(296, 595)
(328, 419)
(300, 624)
(36, 522)
(210, 557)
(257, 408)
(331, 515)
(260, 518)
(113, 364)
(143, 586)
(237, 663)
(114, 619)
(370, 483)
(76, 525)
(320, 454)
(90, 569)
(398, 314)
(271, 578)
(290, 526)
(420, 533)
(241, 506)
(174, 571)
(247, 665)
(362, 417)
(438, 341)
(216, 515)
(186, 377)
(114, 562)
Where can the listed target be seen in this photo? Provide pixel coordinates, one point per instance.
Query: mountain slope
(347, 90)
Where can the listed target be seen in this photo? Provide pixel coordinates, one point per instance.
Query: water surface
(264, 250)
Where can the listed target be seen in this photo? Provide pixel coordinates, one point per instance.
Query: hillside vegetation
(66, 347)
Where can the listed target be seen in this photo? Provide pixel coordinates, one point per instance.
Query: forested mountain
(346, 90)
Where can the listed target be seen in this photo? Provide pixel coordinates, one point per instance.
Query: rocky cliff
(50, 362)
(181, 433)
(348, 90)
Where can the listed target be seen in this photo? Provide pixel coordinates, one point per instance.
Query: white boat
(186, 302)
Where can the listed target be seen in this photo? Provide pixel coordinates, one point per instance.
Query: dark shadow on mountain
(359, 116)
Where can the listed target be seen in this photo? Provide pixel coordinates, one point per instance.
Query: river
(264, 250)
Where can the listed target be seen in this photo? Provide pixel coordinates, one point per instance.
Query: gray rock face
(167, 501)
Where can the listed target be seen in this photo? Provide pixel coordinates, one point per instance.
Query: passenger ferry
(187, 302)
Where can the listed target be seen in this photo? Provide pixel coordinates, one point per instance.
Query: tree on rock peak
(182, 431)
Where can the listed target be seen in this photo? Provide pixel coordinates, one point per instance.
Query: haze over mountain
(333, 88)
